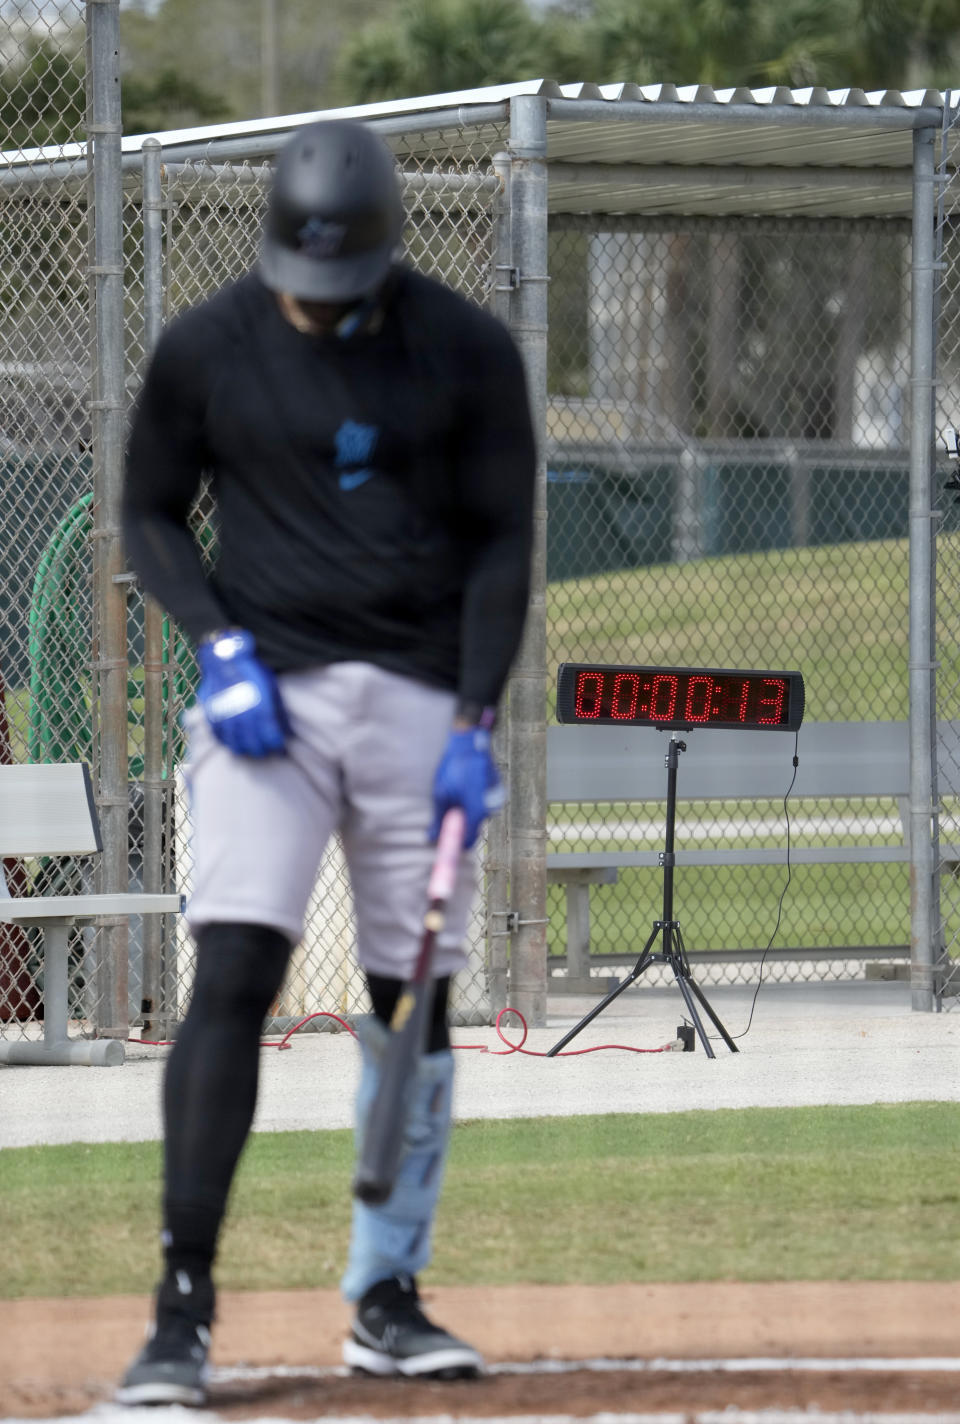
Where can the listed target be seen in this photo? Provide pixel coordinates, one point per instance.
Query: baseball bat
(382, 1141)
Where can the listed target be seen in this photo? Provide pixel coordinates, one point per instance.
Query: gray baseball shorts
(361, 761)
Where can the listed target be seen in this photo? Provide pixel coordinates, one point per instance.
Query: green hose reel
(60, 722)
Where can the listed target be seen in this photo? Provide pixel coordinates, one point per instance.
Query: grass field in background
(838, 613)
(828, 1193)
(728, 907)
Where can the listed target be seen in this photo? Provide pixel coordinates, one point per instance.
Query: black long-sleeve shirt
(374, 494)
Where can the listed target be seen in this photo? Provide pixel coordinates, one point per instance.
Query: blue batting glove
(240, 697)
(467, 777)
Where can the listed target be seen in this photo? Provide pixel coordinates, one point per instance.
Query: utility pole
(269, 78)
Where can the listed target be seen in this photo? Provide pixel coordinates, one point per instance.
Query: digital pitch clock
(679, 698)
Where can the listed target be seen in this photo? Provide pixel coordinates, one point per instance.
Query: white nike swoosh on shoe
(160, 1392)
(449, 1357)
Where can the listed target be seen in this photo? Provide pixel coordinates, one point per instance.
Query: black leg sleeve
(384, 993)
(210, 1085)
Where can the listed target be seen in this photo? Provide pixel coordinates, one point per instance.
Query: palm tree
(717, 42)
(439, 46)
(905, 44)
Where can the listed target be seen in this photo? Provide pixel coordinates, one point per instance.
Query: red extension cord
(476, 1047)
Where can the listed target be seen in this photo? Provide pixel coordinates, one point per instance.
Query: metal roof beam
(728, 177)
(25, 164)
(885, 117)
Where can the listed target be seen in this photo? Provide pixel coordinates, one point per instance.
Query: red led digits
(773, 701)
(626, 695)
(679, 697)
(589, 694)
(698, 703)
(663, 700)
(744, 695)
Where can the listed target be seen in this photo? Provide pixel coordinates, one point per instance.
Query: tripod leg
(685, 986)
(713, 1018)
(634, 974)
(688, 982)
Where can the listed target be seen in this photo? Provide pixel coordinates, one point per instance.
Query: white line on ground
(798, 1416)
(109, 1413)
(920, 1364)
(177, 1414)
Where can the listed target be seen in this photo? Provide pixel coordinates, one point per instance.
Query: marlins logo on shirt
(355, 444)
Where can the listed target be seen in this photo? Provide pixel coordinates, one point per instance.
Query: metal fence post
(497, 883)
(921, 676)
(157, 795)
(108, 409)
(527, 805)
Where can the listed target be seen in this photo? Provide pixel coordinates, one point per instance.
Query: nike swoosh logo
(352, 479)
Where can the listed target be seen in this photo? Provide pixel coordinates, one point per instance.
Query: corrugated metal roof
(641, 148)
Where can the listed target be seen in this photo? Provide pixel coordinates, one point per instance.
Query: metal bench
(48, 810)
(605, 764)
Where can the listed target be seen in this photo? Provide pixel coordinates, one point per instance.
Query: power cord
(284, 1043)
(786, 886)
(674, 1045)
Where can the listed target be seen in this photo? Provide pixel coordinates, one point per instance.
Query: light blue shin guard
(395, 1237)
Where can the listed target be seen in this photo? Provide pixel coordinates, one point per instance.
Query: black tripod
(674, 951)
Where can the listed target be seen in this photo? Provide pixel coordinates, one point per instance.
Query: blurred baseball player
(369, 445)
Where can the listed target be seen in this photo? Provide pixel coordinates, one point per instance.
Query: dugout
(736, 310)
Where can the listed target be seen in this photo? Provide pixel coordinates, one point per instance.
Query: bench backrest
(47, 808)
(628, 763)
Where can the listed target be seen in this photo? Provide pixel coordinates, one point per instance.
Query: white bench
(604, 764)
(48, 810)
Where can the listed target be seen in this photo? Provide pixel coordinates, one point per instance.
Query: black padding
(384, 993)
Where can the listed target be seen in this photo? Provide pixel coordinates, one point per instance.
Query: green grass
(838, 1193)
(838, 613)
(735, 907)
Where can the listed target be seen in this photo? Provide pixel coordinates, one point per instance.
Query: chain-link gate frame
(945, 583)
(201, 226)
(728, 426)
(46, 438)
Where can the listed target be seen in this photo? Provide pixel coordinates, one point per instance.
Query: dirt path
(63, 1356)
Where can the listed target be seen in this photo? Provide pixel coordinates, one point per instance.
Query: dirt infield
(63, 1356)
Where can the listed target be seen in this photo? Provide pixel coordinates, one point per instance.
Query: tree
(717, 42)
(217, 48)
(168, 100)
(440, 46)
(42, 95)
(905, 44)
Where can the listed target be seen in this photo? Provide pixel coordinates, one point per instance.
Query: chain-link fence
(726, 444)
(189, 228)
(728, 487)
(45, 438)
(212, 215)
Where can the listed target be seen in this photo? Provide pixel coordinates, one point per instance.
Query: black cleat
(392, 1336)
(172, 1366)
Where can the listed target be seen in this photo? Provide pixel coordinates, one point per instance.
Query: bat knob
(371, 1191)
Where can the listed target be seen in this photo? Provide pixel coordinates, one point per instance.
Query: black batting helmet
(334, 216)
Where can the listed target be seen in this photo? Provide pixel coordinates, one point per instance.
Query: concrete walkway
(855, 1042)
